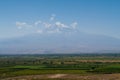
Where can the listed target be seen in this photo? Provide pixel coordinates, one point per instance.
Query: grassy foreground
(83, 64)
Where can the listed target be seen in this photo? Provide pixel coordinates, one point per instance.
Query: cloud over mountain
(50, 26)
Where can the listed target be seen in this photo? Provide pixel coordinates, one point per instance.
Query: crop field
(60, 66)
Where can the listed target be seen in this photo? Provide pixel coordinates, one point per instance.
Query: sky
(93, 16)
(26, 17)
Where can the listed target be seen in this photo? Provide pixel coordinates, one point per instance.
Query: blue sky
(92, 16)
(59, 25)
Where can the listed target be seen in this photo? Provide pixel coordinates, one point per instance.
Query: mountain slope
(59, 43)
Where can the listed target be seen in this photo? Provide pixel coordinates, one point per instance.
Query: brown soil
(67, 77)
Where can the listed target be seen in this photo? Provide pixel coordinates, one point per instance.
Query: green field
(84, 64)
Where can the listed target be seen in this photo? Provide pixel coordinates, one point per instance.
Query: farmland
(76, 65)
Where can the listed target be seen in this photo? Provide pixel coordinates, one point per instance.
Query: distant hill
(60, 43)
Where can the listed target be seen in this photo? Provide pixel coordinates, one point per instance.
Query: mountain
(60, 43)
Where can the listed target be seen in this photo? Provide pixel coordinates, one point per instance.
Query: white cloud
(21, 25)
(48, 26)
(74, 25)
(52, 17)
(60, 25)
(38, 22)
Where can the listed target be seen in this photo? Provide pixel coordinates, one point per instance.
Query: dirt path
(57, 76)
(68, 77)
